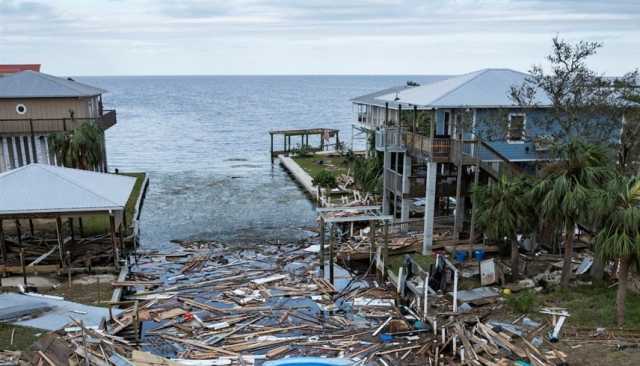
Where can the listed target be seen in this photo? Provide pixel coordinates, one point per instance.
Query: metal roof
(31, 84)
(40, 188)
(373, 98)
(483, 88)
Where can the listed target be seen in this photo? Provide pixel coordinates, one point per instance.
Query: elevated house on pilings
(34, 105)
(441, 137)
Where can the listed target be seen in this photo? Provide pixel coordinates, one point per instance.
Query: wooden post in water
(415, 118)
(332, 240)
(322, 247)
(31, 227)
(59, 237)
(271, 136)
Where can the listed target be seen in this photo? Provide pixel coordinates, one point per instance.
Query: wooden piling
(3, 243)
(68, 255)
(271, 135)
(24, 267)
(80, 227)
(385, 249)
(59, 237)
(322, 247)
(19, 232)
(31, 231)
(332, 240)
(112, 227)
(71, 231)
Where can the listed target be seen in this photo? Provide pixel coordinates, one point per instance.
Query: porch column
(3, 244)
(406, 189)
(472, 229)
(459, 216)
(429, 207)
(386, 208)
(114, 245)
(59, 237)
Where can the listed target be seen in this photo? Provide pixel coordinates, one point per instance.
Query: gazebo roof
(39, 189)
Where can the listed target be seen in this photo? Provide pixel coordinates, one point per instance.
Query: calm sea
(203, 141)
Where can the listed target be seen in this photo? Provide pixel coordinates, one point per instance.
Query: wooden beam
(81, 227)
(112, 228)
(332, 241)
(3, 243)
(459, 217)
(71, 231)
(19, 232)
(322, 247)
(59, 237)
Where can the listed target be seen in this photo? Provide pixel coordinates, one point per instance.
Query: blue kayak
(310, 361)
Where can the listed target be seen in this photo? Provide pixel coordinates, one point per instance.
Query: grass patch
(23, 337)
(84, 294)
(593, 306)
(523, 302)
(395, 262)
(316, 163)
(99, 224)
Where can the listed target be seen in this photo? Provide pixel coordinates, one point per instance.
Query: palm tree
(503, 211)
(564, 191)
(83, 148)
(618, 236)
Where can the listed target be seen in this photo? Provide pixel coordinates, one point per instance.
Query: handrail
(47, 125)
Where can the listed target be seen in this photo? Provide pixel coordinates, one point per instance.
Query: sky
(172, 37)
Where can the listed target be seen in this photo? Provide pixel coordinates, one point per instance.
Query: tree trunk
(515, 260)
(568, 255)
(623, 274)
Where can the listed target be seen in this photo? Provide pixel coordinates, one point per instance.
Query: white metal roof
(483, 88)
(40, 188)
(32, 84)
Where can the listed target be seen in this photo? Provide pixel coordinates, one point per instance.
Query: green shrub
(367, 173)
(303, 151)
(325, 179)
(523, 302)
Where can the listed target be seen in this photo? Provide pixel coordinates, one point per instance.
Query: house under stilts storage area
(61, 196)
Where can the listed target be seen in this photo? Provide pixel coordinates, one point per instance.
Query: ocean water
(203, 141)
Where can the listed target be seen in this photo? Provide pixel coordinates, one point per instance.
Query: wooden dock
(299, 174)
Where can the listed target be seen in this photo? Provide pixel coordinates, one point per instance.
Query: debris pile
(208, 304)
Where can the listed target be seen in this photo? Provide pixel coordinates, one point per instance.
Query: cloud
(23, 8)
(361, 35)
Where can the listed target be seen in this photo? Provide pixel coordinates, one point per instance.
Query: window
(21, 109)
(516, 129)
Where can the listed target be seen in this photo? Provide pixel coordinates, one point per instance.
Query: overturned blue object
(310, 361)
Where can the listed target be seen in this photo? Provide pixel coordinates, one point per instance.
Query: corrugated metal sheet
(374, 98)
(31, 84)
(40, 188)
(483, 88)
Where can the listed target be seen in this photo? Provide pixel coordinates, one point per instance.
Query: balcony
(391, 139)
(43, 126)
